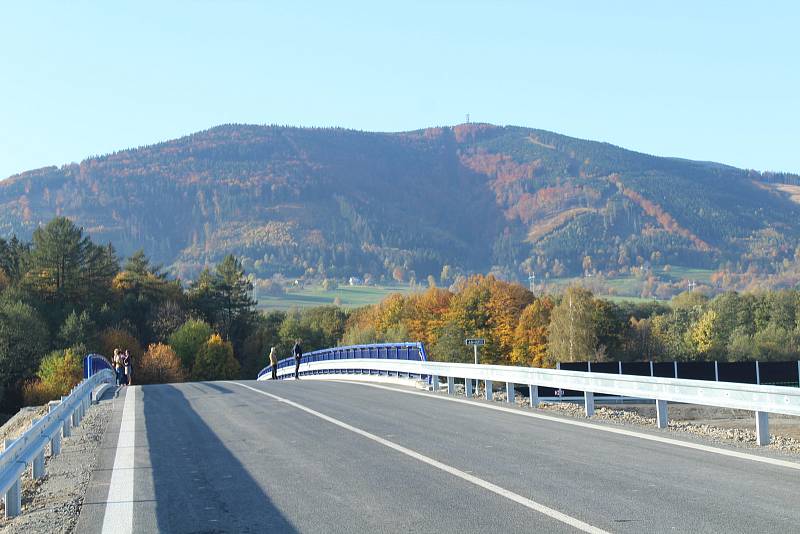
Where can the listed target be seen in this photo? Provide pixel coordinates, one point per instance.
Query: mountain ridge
(477, 197)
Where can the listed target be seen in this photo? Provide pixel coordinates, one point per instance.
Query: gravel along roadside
(52, 505)
(719, 425)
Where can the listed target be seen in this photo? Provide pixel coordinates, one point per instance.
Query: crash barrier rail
(385, 351)
(94, 363)
(760, 399)
(29, 448)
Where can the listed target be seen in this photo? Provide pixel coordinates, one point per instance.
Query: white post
(451, 385)
(511, 394)
(651, 367)
(798, 373)
(661, 414)
(37, 466)
(468, 387)
(488, 392)
(533, 394)
(716, 370)
(588, 400)
(762, 428)
(67, 428)
(758, 374)
(434, 382)
(475, 347)
(13, 497)
(55, 441)
(675, 367)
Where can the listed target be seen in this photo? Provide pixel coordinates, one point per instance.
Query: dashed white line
(118, 516)
(524, 501)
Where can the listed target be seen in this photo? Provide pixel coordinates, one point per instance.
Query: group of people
(297, 351)
(122, 367)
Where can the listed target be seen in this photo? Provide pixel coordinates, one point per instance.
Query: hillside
(334, 202)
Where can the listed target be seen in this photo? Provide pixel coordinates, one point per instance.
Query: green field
(350, 297)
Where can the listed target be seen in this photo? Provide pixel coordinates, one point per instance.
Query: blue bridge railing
(94, 363)
(384, 351)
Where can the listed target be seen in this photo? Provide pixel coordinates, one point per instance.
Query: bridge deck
(340, 457)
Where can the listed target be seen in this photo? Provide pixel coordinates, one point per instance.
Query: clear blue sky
(704, 80)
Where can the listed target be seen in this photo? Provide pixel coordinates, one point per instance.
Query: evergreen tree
(232, 295)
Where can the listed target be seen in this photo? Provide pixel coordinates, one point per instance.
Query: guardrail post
(468, 387)
(533, 394)
(55, 441)
(661, 414)
(37, 465)
(511, 394)
(13, 497)
(488, 391)
(762, 428)
(66, 429)
(588, 400)
(451, 385)
(434, 382)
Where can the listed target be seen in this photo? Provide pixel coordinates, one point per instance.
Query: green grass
(677, 273)
(350, 297)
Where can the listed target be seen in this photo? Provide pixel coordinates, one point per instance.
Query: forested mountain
(477, 197)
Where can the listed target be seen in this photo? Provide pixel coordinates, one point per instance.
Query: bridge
(377, 439)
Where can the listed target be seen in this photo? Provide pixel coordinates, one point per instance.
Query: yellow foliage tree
(530, 336)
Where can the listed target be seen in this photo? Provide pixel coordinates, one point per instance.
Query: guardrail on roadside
(29, 448)
(757, 398)
(384, 351)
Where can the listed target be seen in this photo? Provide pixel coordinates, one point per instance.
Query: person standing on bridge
(126, 362)
(117, 362)
(273, 361)
(297, 350)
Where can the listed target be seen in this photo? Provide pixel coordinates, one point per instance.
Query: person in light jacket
(273, 361)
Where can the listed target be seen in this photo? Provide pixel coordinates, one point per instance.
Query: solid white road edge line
(594, 426)
(118, 516)
(528, 503)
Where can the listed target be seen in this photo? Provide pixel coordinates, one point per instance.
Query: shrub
(160, 365)
(215, 361)
(58, 373)
(188, 339)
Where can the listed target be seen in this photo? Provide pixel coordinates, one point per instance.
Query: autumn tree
(572, 336)
(160, 365)
(215, 361)
(530, 335)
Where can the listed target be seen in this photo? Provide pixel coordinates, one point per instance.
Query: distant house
(355, 281)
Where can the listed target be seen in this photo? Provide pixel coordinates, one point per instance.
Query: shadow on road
(199, 485)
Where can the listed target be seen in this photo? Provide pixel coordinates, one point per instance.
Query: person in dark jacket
(297, 350)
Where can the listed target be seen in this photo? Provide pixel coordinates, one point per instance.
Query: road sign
(475, 341)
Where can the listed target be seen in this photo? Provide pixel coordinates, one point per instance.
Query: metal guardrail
(757, 398)
(29, 449)
(386, 351)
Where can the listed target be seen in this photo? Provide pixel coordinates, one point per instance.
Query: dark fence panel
(636, 368)
(664, 369)
(605, 367)
(696, 370)
(778, 373)
(742, 372)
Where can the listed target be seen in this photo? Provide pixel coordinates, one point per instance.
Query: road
(324, 456)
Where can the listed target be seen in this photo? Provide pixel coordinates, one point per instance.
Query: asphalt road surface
(323, 456)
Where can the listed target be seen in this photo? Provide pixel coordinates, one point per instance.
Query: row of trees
(63, 296)
(522, 329)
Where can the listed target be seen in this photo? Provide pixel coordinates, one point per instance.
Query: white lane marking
(528, 503)
(593, 426)
(118, 517)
